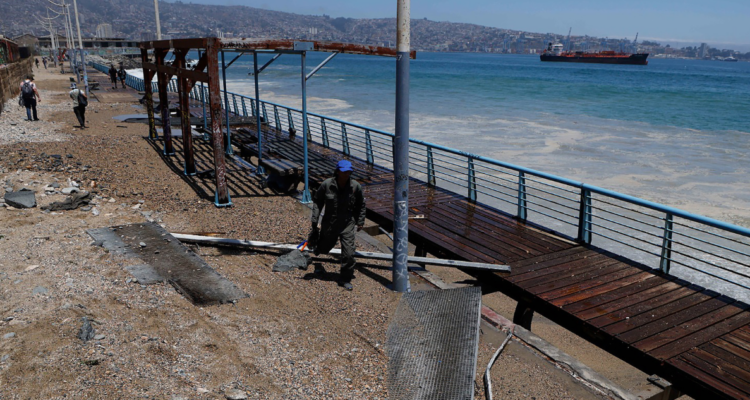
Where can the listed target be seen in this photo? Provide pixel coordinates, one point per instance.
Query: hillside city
(134, 20)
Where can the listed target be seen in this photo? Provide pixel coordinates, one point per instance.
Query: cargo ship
(555, 52)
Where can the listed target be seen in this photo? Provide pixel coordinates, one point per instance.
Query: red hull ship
(555, 53)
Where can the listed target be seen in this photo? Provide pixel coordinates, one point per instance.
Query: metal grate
(432, 345)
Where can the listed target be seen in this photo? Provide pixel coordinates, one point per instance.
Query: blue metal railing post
(234, 101)
(265, 112)
(344, 140)
(431, 181)
(666, 247)
(368, 147)
(584, 217)
(276, 117)
(252, 107)
(521, 196)
(290, 119)
(472, 181)
(307, 128)
(244, 106)
(324, 132)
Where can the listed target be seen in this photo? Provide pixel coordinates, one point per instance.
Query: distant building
(104, 31)
(703, 53)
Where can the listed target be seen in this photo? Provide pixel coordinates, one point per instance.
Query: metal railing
(709, 252)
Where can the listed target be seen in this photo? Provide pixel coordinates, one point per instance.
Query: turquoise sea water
(674, 132)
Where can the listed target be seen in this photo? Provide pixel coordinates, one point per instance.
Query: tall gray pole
(306, 199)
(226, 104)
(401, 151)
(80, 45)
(158, 25)
(260, 170)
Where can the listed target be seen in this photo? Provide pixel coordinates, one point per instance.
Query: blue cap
(344, 166)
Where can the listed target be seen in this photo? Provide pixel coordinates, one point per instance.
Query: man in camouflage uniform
(344, 215)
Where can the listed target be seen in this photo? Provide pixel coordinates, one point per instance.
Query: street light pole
(401, 151)
(158, 25)
(80, 44)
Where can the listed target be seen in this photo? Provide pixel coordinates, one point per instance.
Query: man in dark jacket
(113, 75)
(344, 215)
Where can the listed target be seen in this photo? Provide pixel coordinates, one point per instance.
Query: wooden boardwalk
(696, 338)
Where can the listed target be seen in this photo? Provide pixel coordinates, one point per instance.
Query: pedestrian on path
(122, 75)
(344, 215)
(44, 61)
(36, 61)
(113, 76)
(81, 101)
(29, 96)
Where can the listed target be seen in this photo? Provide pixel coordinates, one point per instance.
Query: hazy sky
(713, 21)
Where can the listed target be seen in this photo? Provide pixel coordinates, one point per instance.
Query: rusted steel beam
(184, 85)
(285, 44)
(147, 77)
(164, 104)
(222, 192)
(199, 43)
(179, 72)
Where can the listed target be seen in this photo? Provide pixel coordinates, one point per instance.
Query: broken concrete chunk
(23, 198)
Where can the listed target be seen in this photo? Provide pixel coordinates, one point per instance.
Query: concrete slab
(166, 259)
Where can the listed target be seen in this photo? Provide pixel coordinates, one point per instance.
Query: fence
(708, 252)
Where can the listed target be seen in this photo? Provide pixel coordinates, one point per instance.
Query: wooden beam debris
(359, 254)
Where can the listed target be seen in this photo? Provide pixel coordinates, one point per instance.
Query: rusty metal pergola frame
(207, 71)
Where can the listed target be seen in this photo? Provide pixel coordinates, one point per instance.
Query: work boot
(319, 270)
(346, 285)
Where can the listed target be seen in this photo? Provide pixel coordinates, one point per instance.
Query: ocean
(674, 132)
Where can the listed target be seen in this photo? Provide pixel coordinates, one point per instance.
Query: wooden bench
(283, 175)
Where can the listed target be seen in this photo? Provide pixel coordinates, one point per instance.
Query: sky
(717, 22)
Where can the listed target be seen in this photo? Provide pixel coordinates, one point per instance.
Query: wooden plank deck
(696, 338)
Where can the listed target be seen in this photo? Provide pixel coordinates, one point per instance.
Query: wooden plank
(556, 258)
(568, 268)
(472, 224)
(509, 224)
(709, 375)
(604, 293)
(729, 357)
(697, 337)
(737, 341)
(736, 375)
(642, 297)
(668, 322)
(642, 307)
(519, 265)
(606, 271)
(706, 375)
(683, 329)
(741, 353)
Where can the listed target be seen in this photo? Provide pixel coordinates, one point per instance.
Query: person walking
(81, 101)
(113, 75)
(36, 61)
(29, 96)
(344, 215)
(44, 61)
(122, 75)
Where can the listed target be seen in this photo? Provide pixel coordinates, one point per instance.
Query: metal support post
(324, 132)
(368, 147)
(222, 191)
(584, 217)
(276, 117)
(203, 103)
(228, 144)
(166, 118)
(260, 170)
(344, 140)
(306, 193)
(290, 119)
(401, 151)
(521, 196)
(472, 181)
(244, 106)
(430, 167)
(666, 247)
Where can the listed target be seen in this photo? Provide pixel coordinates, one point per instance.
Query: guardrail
(656, 235)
